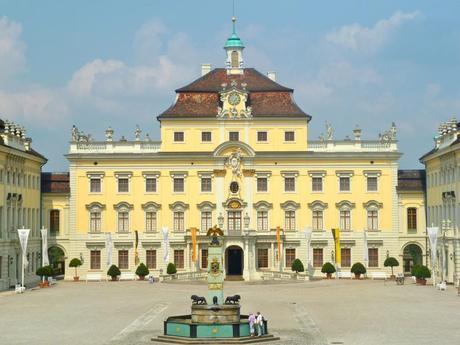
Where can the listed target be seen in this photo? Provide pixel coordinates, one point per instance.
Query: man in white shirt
(259, 324)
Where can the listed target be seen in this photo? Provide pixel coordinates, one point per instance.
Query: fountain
(212, 320)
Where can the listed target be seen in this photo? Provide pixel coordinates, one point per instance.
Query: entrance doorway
(412, 256)
(234, 260)
(57, 260)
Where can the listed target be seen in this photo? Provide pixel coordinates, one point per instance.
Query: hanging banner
(136, 253)
(308, 234)
(365, 250)
(45, 260)
(165, 232)
(278, 241)
(109, 245)
(23, 235)
(193, 233)
(336, 236)
(433, 237)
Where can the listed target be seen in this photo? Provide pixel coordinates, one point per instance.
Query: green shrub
(45, 271)
(171, 269)
(297, 266)
(422, 272)
(358, 268)
(75, 262)
(113, 271)
(142, 270)
(328, 268)
(414, 270)
(391, 262)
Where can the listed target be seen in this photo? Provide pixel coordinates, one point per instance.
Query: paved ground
(322, 312)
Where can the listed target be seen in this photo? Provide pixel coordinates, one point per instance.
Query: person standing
(260, 324)
(251, 321)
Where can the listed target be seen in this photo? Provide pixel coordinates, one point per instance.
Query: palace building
(234, 152)
(20, 169)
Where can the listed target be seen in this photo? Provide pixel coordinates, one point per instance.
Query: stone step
(242, 340)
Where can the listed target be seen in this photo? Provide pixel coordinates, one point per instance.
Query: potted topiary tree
(171, 268)
(328, 268)
(358, 269)
(391, 262)
(142, 271)
(297, 266)
(44, 272)
(75, 262)
(421, 273)
(114, 272)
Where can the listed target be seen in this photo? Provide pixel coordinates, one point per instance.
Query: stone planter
(357, 275)
(75, 279)
(141, 277)
(420, 281)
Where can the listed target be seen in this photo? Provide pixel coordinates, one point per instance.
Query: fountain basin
(221, 314)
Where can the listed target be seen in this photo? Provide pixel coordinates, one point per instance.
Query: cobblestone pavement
(313, 313)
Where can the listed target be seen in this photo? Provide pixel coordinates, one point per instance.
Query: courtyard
(321, 312)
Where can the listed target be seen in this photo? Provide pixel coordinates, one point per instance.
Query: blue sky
(117, 63)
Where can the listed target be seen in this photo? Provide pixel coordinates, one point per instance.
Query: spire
(234, 48)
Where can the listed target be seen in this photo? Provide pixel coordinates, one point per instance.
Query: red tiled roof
(266, 97)
(411, 180)
(55, 182)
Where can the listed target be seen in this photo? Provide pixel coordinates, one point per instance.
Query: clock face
(234, 98)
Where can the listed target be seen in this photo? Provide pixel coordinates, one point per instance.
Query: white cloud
(369, 39)
(12, 49)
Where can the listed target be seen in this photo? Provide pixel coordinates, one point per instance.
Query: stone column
(246, 275)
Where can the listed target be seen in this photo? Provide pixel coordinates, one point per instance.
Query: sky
(117, 63)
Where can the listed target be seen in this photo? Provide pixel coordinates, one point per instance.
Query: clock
(234, 99)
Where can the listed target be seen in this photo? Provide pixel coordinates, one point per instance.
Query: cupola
(234, 48)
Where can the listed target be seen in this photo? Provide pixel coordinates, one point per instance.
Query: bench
(344, 274)
(52, 281)
(378, 275)
(95, 277)
(19, 289)
(127, 276)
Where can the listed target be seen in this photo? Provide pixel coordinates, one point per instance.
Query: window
(234, 187)
(234, 136)
(95, 262)
(289, 184)
(95, 221)
(290, 256)
(262, 220)
(344, 184)
(204, 258)
(178, 184)
(412, 218)
(261, 136)
(123, 185)
(95, 185)
(345, 220)
(206, 220)
(317, 184)
(234, 220)
(372, 184)
(317, 221)
(289, 220)
(373, 257)
(150, 184)
(54, 220)
(151, 258)
(345, 254)
(317, 257)
(123, 221)
(150, 221)
(262, 184)
(234, 56)
(262, 258)
(289, 136)
(372, 220)
(178, 137)
(206, 184)
(178, 221)
(205, 136)
(123, 259)
(179, 258)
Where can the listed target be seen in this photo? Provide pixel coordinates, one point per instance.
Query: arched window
(372, 208)
(235, 62)
(151, 216)
(317, 210)
(123, 209)
(95, 216)
(54, 220)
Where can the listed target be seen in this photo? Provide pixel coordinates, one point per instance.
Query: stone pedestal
(215, 275)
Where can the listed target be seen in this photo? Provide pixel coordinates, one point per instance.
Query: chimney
(205, 68)
(271, 75)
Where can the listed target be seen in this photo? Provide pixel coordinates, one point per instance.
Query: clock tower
(234, 48)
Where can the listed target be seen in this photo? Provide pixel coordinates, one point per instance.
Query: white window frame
(125, 208)
(179, 206)
(345, 174)
(262, 206)
(289, 174)
(372, 205)
(92, 208)
(372, 173)
(123, 175)
(203, 175)
(151, 175)
(178, 174)
(178, 141)
(284, 136)
(263, 174)
(206, 141)
(95, 175)
(317, 174)
(266, 137)
(345, 205)
(290, 206)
